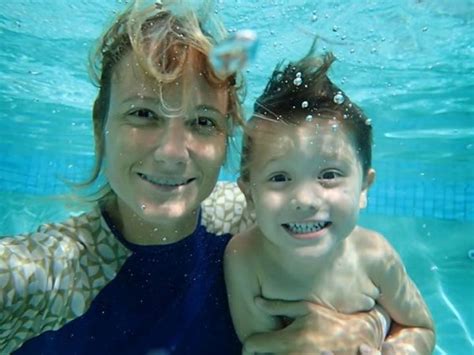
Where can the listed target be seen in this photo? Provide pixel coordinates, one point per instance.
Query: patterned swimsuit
(79, 287)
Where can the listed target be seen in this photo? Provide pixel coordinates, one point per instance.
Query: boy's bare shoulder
(242, 245)
(374, 250)
(241, 260)
(371, 244)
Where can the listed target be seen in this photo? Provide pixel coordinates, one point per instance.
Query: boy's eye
(279, 178)
(329, 175)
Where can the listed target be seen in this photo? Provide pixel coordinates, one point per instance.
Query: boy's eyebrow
(273, 160)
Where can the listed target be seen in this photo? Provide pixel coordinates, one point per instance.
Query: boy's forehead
(273, 139)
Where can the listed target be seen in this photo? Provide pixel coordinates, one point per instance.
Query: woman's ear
(245, 188)
(367, 183)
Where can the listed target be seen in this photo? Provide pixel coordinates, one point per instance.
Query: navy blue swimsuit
(166, 299)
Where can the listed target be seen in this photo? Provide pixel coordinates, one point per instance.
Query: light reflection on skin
(154, 134)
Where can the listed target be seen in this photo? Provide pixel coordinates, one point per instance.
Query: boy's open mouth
(303, 228)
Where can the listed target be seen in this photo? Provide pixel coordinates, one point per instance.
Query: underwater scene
(408, 63)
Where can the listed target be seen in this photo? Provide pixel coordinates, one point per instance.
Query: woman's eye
(279, 178)
(143, 114)
(329, 175)
(205, 124)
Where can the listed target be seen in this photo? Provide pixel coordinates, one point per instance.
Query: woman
(141, 273)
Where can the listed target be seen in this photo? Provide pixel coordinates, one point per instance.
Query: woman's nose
(172, 146)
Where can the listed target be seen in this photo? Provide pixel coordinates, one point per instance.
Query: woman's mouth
(166, 182)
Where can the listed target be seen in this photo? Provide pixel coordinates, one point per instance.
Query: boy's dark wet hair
(302, 91)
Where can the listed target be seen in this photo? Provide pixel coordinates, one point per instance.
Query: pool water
(409, 64)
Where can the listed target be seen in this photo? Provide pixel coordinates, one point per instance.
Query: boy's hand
(315, 329)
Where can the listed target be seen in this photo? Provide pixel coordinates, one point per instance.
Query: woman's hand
(315, 329)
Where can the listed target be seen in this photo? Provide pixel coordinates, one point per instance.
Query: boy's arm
(242, 288)
(413, 332)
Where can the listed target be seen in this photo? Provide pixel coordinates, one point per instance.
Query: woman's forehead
(132, 80)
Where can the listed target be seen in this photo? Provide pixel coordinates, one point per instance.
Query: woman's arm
(50, 277)
(33, 287)
(315, 329)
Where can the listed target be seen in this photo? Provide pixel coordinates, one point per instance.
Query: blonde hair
(162, 36)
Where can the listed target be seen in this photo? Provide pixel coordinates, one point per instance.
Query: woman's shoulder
(52, 275)
(225, 210)
(81, 234)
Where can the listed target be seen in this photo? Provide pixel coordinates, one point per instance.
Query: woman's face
(164, 145)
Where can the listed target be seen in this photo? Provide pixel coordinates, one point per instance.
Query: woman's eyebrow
(210, 108)
(140, 98)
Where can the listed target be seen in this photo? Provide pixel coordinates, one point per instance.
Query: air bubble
(470, 254)
(334, 127)
(309, 118)
(304, 104)
(338, 98)
(234, 53)
(143, 207)
(298, 81)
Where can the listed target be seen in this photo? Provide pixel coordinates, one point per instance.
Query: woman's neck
(137, 230)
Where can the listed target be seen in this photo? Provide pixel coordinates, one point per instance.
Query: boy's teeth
(166, 182)
(306, 227)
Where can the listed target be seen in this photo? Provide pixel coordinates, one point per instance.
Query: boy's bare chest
(345, 287)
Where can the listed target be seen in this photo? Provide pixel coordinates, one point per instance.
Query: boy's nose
(301, 205)
(307, 198)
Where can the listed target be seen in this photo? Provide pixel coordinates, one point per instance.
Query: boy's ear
(368, 181)
(245, 188)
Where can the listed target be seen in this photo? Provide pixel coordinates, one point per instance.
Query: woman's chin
(176, 212)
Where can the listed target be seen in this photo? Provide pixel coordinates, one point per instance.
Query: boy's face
(306, 184)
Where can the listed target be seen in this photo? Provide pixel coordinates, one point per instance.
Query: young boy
(306, 170)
